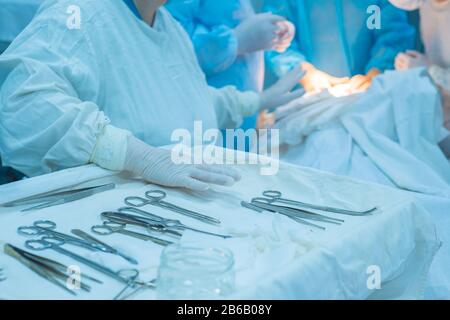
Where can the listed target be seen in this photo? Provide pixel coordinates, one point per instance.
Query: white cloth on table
(275, 258)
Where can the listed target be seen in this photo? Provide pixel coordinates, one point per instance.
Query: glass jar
(195, 271)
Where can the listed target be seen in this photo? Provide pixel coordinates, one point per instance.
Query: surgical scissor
(48, 228)
(55, 244)
(110, 227)
(276, 196)
(155, 198)
(169, 223)
(150, 225)
(108, 248)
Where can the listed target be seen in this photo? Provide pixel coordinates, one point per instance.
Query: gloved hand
(362, 82)
(258, 32)
(155, 165)
(280, 93)
(316, 80)
(411, 59)
(286, 34)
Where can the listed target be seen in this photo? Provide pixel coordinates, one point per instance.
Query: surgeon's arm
(44, 126)
(232, 105)
(394, 36)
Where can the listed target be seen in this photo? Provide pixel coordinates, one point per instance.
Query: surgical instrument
(110, 227)
(108, 248)
(169, 223)
(138, 287)
(155, 198)
(48, 228)
(150, 225)
(132, 276)
(2, 275)
(277, 196)
(51, 243)
(70, 196)
(48, 269)
(267, 205)
(285, 213)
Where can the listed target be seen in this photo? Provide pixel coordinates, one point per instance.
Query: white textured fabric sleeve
(111, 148)
(231, 105)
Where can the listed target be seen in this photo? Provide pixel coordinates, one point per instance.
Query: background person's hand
(281, 92)
(410, 59)
(362, 82)
(316, 80)
(258, 32)
(157, 166)
(286, 34)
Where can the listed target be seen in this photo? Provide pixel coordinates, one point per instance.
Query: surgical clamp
(109, 228)
(48, 228)
(128, 219)
(155, 198)
(168, 223)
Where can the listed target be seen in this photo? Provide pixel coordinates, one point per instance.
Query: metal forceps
(48, 228)
(301, 213)
(286, 213)
(277, 196)
(50, 270)
(169, 223)
(155, 198)
(109, 228)
(108, 248)
(51, 243)
(69, 196)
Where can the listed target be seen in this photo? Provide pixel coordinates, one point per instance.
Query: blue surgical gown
(334, 35)
(210, 25)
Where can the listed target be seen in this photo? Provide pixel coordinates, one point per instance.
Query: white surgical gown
(61, 86)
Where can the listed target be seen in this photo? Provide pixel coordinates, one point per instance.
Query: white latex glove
(155, 165)
(258, 32)
(411, 59)
(280, 93)
(286, 34)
